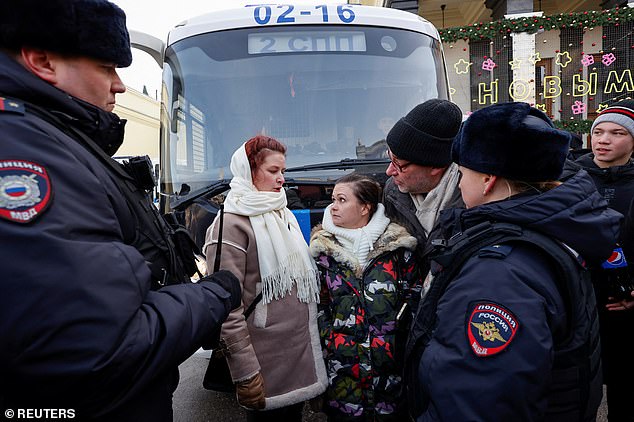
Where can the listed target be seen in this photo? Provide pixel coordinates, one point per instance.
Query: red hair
(258, 147)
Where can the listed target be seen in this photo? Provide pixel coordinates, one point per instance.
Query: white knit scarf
(282, 251)
(429, 206)
(358, 241)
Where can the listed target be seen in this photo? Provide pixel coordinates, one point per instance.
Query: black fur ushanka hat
(90, 28)
(512, 140)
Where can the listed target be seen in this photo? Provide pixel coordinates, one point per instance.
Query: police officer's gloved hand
(230, 283)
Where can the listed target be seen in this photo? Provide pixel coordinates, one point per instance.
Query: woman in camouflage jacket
(370, 286)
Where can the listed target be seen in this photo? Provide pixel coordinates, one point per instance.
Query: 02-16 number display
(263, 14)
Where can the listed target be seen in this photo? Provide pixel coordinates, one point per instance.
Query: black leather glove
(230, 283)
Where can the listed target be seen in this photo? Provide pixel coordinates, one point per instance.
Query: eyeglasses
(399, 167)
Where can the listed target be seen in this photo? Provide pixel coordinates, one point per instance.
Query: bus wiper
(346, 163)
(180, 201)
(215, 188)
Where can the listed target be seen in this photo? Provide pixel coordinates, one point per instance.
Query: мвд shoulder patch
(25, 190)
(490, 328)
(9, 105)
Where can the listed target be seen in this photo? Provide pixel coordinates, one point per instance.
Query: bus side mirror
(148, 43)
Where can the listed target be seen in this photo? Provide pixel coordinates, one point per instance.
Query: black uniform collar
(104, 128)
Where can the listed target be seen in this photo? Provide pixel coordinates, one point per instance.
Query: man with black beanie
(423, 181)
(96, 307)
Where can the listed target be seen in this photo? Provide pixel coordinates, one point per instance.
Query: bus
(328, 81)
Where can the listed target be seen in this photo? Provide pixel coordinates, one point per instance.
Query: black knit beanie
(512, 140)
(424, 136)
(90, 28)
(621, 113)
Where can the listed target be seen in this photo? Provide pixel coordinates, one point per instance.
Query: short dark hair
(258, 147)
(365, 189)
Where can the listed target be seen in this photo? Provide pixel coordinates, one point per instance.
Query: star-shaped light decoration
(452, 91)
(541, 107)
(563, 59)
(515, 64)
(601, 107)
(464, 64)
(534, 58)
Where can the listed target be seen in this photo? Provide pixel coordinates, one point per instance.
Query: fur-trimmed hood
(393, 238)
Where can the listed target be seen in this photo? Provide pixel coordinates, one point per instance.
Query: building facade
(570, 59)
(142, 128)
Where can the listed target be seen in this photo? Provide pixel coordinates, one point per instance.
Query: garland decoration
(532, 24)
(577, 126)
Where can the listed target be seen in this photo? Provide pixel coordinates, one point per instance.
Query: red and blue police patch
(11, 106)
(490, 328)
(25, 190)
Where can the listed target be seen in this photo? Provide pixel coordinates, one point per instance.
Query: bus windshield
(327, 92)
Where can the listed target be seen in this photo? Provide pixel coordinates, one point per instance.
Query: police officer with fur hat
(423, 181)
(86, 332)
(508, 329)
(611, 167)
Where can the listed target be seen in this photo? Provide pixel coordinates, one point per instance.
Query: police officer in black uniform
(86, 326)
(509, 328)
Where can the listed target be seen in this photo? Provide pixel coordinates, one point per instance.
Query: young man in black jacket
(611, 167)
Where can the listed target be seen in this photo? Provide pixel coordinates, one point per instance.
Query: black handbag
(218, 377)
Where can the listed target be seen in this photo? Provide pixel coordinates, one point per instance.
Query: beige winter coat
(280, 339)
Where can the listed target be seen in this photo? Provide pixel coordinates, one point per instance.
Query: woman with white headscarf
(274, 355)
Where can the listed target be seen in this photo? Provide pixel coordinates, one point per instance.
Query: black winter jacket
(616, 185)
(80, 327)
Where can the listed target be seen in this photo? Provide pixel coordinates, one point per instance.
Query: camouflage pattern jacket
(362, 340)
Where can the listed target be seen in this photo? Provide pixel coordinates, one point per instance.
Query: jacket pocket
(260, 314)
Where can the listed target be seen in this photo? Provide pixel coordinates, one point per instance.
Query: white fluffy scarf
(282, 251)
(358, 241)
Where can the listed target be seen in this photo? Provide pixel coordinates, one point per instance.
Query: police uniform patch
(11, 106)
(490, 328)
(25, 190)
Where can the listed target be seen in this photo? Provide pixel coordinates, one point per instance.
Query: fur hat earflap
(90, 28)
(512, 140)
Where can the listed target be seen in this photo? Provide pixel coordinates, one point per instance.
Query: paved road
(192, 403)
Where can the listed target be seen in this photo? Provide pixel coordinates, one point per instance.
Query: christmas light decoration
(531, 24)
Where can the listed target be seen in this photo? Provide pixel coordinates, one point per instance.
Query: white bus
(328, 81)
